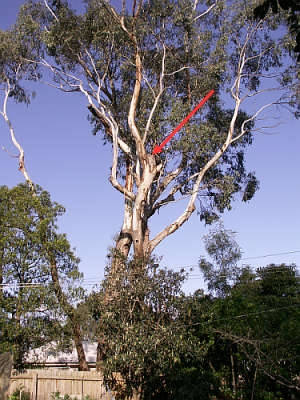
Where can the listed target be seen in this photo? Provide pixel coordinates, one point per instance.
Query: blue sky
(67, 160)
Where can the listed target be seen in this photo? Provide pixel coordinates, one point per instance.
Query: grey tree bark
(5, 371)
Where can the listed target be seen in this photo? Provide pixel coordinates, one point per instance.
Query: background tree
(267, 334)
(252, 325)
(219, 274)
(37, 300)
(141, 70)
(255, 330)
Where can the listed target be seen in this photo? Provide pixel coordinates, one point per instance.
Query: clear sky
(67, 160)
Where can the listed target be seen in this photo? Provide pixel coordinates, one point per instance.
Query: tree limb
(113, 176)
(141, 152)
(157, 98)
(205, 12)
(20, 149)
(95, 111)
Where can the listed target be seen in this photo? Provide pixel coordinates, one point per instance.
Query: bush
(19, 394)
(58, 396)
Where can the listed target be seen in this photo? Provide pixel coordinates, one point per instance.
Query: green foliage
(199, 54)
(19, 394)
(253, 323)
(143, 337)
(293, 16)
(17, 46)
(165, 345)
(58, 396)
(30, 312)
(94, 45)
(225, 253)
(257, 333)
(158, 341)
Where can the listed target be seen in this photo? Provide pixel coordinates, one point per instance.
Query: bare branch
(195, 4)
(102, 117)
(170, 197)
(235, 89)
(20, 149)
(257, 360)
(135, 12)
(149, 85)
(99, 81)
(157, 98)
(141, 152)
(61, 87)
(176, 72)
(267, 90)
(50, 10)
(243, 130)
(7, 151)
(190, 208)
(167, 180)
(205, 12)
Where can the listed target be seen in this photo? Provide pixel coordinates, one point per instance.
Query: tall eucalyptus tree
(142, 68)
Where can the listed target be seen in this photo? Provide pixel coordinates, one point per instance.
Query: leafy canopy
(30, 312)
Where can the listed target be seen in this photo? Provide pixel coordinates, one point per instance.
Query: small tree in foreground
(36, 297)
(140, 322)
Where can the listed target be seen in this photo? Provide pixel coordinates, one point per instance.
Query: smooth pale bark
(124, 240)
(140, 231)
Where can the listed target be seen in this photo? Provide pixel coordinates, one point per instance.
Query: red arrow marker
(157, 149)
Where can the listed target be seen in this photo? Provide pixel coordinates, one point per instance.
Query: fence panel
(42, 383)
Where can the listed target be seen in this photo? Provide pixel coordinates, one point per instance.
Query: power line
(88, 283)
(246, 258)
(95, 281)
(245, 315)
(271, 255)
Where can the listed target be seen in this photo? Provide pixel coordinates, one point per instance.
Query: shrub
(19, 394)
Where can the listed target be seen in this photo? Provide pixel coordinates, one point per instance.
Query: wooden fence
(41, 384)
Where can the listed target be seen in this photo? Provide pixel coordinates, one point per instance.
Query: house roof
(49, 355)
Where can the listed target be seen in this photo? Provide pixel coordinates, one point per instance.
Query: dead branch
(205, 12)
(21, 155)
(50, 10)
